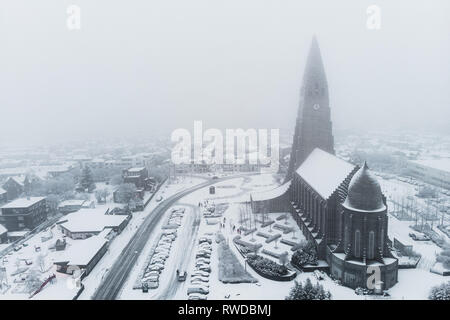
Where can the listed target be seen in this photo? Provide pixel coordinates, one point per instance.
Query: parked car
(197, 296)
(200, 273)
(198, 289)
(199, 278)
(419, 237)
(203, 260)
(204, 268)
(204, 240)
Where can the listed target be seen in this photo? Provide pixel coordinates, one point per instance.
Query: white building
(432, 171)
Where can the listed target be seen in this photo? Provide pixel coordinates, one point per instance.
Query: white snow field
(413, 283)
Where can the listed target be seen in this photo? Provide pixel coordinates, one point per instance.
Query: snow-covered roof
(138, 169)
(91, 220)
(18, 233)
(18, 179)
(2, 191)
(324, 172)
(272, 193)
(81, 252)
(2, 229)
(439, 164)
(22, 202)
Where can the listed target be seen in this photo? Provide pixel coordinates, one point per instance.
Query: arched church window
(371, 253)
(346, 238)
(357, 244)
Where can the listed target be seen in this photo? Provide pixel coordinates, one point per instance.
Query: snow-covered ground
(413, 283)
(63, 288)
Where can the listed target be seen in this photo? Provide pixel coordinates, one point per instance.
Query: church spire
(313, 126)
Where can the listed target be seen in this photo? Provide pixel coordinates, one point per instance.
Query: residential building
(24, 213)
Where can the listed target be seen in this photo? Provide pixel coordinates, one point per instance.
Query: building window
(371, 254)
(357, 244)
(346, 237)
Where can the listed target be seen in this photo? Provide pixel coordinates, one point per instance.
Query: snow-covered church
(337, 205)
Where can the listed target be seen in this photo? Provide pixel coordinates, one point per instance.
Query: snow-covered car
(203, 255)
(200, 273)
(161, 255)
(153, 278)
(199, 283)
(199, 278)
(204, 239)
(205, 246)
(204, 268)
(153, 273)
(418, 236)
(199, 264)
(156, 267)
(204, 260)
(197, 296)
(159, 198)
(157, 261)
(162, 251)
(198, 289)
(153, 284)
(166, 244)
(170, 237)
(170, 232)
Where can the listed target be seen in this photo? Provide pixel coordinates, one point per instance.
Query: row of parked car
(150, 278)
(199, 282)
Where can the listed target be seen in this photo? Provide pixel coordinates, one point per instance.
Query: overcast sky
(139, 67)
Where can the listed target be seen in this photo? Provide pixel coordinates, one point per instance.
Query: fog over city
(149, 67)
